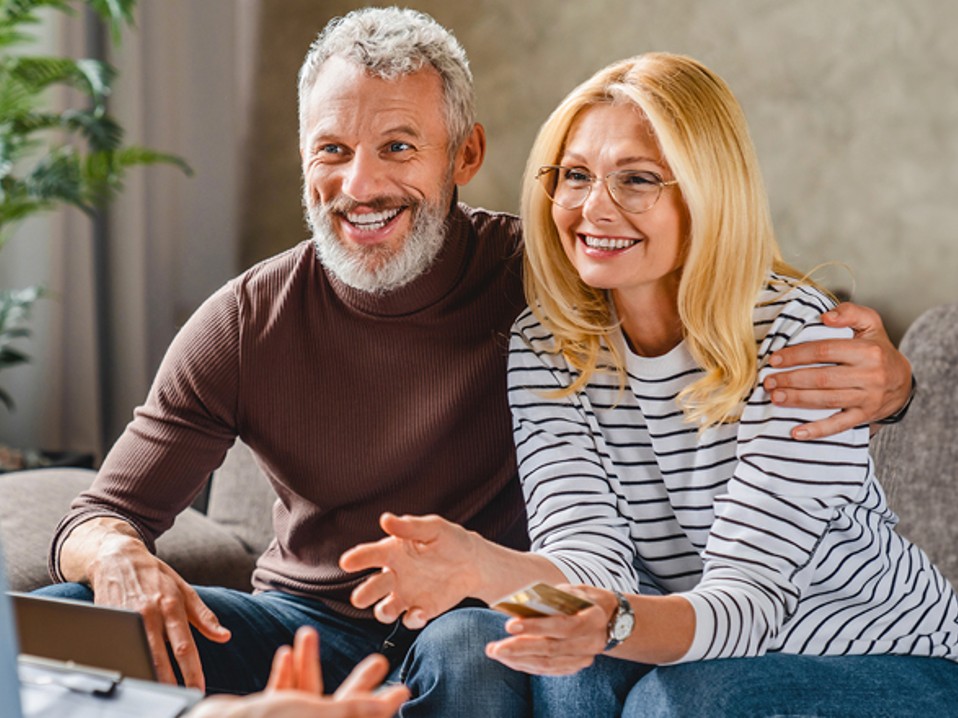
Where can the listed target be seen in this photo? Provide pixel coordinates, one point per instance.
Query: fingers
(281, 674)
(413, 528)
(309, 676)
(182, 645)
(539, 656)
(200, 615)
(156, 637)
(834, 424)
(390, 699)
(815, 398)
(364, 679)
(366, 676)
(389, 609)
(373, 589)
(417, 529)
(849, 352)
(368, 555)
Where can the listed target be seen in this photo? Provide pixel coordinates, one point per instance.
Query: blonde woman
(659, 477)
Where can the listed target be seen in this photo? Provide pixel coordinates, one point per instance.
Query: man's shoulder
(503, 226)
(279, 265)
(274, 277)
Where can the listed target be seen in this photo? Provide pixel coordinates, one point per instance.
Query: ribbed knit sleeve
(192, 408)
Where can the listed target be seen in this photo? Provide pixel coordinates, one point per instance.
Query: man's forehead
(346, 95)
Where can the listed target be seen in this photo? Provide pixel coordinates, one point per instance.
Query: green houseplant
(52, 156)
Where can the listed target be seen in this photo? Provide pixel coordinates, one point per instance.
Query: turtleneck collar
(426, 290)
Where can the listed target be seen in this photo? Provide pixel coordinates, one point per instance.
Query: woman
(657, 472)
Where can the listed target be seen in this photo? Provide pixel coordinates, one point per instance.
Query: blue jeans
(263, 622)
(446, 669)
(464, 682)
(798, 686)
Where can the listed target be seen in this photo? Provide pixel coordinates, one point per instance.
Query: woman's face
(634, 255)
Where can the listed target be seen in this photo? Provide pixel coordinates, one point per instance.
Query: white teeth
(606, 243)
(372, 220)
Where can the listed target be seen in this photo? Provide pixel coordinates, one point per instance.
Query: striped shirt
(779, 545)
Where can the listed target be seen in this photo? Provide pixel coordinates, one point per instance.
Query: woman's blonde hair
(731, 248)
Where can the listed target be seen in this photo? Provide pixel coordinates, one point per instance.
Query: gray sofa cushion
(241, 499)
(32, 503)
(918, 458)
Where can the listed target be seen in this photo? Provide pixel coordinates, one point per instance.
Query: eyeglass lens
(632, 190)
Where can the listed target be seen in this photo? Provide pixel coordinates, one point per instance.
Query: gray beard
(378, 270)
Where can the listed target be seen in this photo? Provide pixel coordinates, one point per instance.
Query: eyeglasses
(632, 190)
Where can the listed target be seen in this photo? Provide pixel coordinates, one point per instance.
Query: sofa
(217, 542)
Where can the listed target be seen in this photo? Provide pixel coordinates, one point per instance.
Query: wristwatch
(621, 623)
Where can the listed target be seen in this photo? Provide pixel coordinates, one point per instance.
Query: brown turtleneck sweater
(353, 404)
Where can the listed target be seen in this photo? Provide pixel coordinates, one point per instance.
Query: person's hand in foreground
(866, 376)
(295, 689)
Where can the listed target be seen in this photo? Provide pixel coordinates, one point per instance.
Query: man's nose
(365, 176)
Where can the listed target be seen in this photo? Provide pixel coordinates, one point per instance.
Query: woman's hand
(558, 645)
(428, 566)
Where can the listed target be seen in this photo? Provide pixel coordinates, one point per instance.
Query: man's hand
(868, 379)
(107, 554)
(296, 684)
(428, 566)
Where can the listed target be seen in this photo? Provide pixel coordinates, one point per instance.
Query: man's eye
(329, 149)
(399, 147)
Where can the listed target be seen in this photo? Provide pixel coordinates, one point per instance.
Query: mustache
(344, 205)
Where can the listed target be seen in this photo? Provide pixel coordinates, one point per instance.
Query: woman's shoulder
(787, 307)
(530, 329)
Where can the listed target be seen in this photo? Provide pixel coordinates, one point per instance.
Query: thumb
(863, 321)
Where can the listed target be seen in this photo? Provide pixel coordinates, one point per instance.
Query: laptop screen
(9, 681)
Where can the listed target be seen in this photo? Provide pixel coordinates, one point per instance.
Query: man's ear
(469, 156)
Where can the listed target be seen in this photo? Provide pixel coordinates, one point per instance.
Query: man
(366, 370)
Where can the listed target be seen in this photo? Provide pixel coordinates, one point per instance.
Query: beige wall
(853, 105)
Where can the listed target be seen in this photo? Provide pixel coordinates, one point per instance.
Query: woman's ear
(469, 156)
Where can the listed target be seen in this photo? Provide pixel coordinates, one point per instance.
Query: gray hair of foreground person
(392, 42)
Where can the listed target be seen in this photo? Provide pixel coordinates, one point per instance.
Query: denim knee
(448, 672)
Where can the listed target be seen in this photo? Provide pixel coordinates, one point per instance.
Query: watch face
(623, 626)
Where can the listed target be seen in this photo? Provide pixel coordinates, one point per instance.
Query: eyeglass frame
(661, 183)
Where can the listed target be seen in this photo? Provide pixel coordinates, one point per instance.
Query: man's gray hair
(392, 42)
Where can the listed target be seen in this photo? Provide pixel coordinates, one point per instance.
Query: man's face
(378, 173)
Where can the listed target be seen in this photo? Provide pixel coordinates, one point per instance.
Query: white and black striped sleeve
(572, 507)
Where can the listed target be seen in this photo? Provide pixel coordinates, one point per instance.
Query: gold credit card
(541, 599)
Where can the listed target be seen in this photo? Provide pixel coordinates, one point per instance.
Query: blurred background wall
(853, 105)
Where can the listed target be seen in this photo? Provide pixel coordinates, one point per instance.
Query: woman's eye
(640, 179)
(577, 177)
(400, 147)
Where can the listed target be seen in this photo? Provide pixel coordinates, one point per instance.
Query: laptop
(95, 636)
(40, 688)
